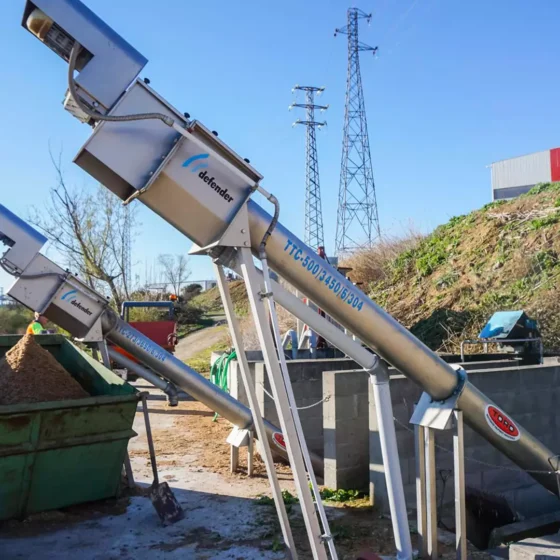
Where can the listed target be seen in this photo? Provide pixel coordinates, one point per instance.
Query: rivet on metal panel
(243, 231)
(246, 243)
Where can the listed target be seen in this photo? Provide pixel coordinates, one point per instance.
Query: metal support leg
(431, 509)
(419, 443)
(128, 471)
(233, 458)
(102, 347)
(388, 440)
(249, 384)
(459, 471)
(250, 454)
(294, 447)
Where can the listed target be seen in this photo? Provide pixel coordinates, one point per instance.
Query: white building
(515, 176)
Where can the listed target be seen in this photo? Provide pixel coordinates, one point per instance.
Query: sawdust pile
(30, 374)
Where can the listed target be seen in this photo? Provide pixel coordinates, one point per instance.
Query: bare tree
(175, 270)
(88, 228)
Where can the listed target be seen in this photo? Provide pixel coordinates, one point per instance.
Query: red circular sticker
(501, 423)
(278, 439)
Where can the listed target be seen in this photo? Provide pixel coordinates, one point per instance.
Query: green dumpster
(55, 454)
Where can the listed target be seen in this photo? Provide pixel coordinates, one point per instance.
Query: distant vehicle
(163, 332)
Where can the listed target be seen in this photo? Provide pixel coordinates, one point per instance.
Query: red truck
(163, 332)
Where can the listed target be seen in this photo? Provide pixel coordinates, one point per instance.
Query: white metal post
(249, 384)
(299, 323)
(419, 443)
(368, 361)
(105, 358)
(250, 452)
(233, 458)
(326, 536)
(460, 499)
(431, 494)
(384, 409)
(286, 415)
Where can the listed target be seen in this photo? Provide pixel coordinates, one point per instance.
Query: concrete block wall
(346, 431)
(236, 386)
(307, 382)
(344, 427)
(530, 394)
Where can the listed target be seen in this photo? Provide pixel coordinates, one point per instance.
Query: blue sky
(455, 86)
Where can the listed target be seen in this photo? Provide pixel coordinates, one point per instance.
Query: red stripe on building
(555, 164)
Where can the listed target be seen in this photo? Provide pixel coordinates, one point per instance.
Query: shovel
(164, 501)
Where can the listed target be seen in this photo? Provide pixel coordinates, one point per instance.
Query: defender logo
(203, 175)
(196, 158)
(70, 297)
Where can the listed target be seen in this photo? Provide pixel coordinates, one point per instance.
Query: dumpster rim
(9, 409)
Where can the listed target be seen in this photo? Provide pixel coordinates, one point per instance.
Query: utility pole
(357, 220)
(313, 235)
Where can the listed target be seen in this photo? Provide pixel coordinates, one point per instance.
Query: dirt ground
(355, 525)
(223, 518)
(193, 343)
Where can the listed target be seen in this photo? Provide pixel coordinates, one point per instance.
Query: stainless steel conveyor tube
(168, 388)
(301, 267)
(181, 375)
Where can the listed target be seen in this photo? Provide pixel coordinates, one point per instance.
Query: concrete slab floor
(213, 528)
(541, 548)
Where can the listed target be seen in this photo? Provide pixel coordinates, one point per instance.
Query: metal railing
(502, 341)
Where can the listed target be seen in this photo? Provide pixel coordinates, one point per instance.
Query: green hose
(219, 373)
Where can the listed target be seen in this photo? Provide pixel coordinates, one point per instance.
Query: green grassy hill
(211, 302)
(505, 256)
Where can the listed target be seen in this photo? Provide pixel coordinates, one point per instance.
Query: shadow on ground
(214, 527)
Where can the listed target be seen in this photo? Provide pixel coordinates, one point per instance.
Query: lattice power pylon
(357, 220)
(313, 235)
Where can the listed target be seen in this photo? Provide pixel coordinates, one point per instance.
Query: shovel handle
(144, 397)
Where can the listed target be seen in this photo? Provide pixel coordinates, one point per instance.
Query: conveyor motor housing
(183, 172)
(42, 285)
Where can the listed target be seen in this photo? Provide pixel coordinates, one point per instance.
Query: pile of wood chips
(31, 374)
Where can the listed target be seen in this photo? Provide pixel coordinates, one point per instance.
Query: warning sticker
(501, 423)
(278, 439)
